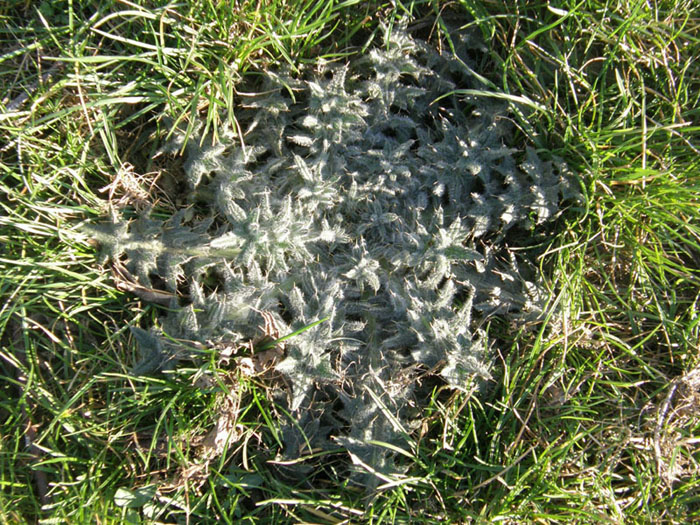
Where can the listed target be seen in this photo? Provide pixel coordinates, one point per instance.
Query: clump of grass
(593, 414)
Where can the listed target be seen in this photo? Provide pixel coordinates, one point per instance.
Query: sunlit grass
(592, 415)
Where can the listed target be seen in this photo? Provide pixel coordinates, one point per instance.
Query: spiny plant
(372, 195)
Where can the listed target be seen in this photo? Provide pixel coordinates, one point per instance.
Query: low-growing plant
(378, 195)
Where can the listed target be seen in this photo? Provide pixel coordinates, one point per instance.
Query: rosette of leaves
(356, 198)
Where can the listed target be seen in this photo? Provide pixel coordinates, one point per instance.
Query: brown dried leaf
(126, 282)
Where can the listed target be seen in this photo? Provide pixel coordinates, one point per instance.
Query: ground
(592, 411)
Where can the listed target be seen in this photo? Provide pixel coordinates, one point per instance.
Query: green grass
(593, 415)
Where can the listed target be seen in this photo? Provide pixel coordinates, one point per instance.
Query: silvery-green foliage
(358, 199)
